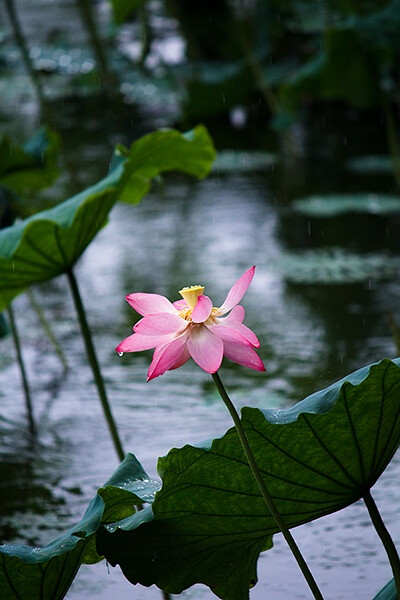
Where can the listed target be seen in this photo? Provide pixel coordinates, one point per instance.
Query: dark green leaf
(50, 242)
(339, 71)
(388, 592)
(32, 166)
(210, 521)
(46, 573)
(162, 151)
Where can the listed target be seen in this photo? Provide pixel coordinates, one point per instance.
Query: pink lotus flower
(193, 327)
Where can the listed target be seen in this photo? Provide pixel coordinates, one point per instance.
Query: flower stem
(91, 354)
(47, 328)
(385, 538)
(25, 383)
(264, 491)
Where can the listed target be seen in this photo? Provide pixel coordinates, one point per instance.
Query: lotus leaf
(31, 166)
(46, 573)
(210, 522)
(51, 241)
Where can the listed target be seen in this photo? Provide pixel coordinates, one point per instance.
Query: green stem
(91, 354)
(385, 538)
(264, 491)
(392, 137)
(28, 400)
(20, 39)
(47, 328)
(86, 10)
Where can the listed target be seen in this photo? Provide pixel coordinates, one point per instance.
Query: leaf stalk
(94, 364)
(385, 537)
(264, 491)
(24, 377)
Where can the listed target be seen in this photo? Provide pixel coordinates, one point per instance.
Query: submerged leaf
(332, 205)
(50, 242)
(210, 521)
(46, 573)
(335, 266)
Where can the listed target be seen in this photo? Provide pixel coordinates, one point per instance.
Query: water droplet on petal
(120, 353)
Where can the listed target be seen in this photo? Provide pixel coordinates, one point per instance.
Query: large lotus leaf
(31, 166)
(331, 205)
(335, 266)
(46, 573)
(51, 241)
(210, 521)
(388, 592)
(338, 71)
(161, 151)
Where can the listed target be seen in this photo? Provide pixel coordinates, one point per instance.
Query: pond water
(312, 332)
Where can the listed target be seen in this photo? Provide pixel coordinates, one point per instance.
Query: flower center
(190, 294)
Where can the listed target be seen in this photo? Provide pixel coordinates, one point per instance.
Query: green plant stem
(385, 538)
(264, 491)
(91, 354)
(47, 328)
(392, 137)
(86, 10)
(25, 383)
(20, 39)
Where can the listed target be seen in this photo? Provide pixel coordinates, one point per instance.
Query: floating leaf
(210, 521)
(243, 161)
(31, 166)
(50, 242)
(46, 573)
(335, 266)
(332, 205)
(371, 164)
